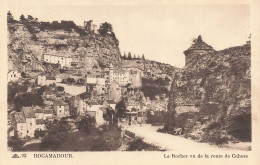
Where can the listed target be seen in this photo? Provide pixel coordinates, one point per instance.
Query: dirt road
(171, 142)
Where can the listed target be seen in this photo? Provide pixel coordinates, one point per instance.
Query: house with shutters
(24, 122)
(13, 75)
(61, 109)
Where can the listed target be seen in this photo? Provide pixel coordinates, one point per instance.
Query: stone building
(126, 72)
(198, 48)
(61, 109)
(24, 122)
(13, 75)
(122, 77)
(42, 80)
(89, 26)
(64, 61)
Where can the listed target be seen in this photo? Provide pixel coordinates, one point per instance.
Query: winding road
(171, 142)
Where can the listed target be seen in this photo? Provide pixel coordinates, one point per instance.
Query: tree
(87, 123)
(34, 37)
(199, 39)
(70, 80)
(110, 115)
(10, 17)
(30, 18)
(120, 109)
(143, 57)
(105, 28)
(124, 56)
(23, 74)
(56, 134)
(81, 81)
(60, 88)
(134, 57)
(22, 19)
(129, 56)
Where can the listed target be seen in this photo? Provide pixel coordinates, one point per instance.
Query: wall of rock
(218, 84)
(22, 45)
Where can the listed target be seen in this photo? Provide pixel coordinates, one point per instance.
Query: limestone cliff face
(214, 91)
(26, 48)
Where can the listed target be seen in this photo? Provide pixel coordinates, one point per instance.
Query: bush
(39, 133)
(87, 124)
(60, 88)
(16, 144)
(240, 127)
(139, 145)
(56, 134)
(28, 99)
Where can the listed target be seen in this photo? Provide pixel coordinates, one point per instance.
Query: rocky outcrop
(213, 94)
(26, 47)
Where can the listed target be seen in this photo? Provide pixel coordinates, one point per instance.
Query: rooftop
(38, 111)
(39, 121)
(48, 111)
(19, 117)
(110, 102)
(28, 112)
(198, 44)
(59, 102)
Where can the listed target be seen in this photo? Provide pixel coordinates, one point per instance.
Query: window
(60, 111)
(30, 124)
(27, 131)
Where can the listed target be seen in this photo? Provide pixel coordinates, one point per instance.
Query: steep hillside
(212, 96)
(28, 42)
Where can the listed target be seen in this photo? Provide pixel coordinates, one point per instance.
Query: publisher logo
(15, 156)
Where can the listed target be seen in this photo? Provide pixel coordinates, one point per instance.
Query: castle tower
(199, 47)
(89, 26)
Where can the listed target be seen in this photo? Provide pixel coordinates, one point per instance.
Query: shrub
(60, 88)
(55, 135)
(15, 144)
(139, 145)
(39, 133)
(87, 124)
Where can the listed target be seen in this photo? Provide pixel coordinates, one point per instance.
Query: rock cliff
(211, 97)
(27, 44)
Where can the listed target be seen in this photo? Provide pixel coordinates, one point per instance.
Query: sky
(160, 32)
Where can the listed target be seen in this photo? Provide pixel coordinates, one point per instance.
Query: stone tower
(199, 47)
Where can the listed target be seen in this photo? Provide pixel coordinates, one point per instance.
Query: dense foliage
(87, 123)
(56, 134)
(29, 99)
(152, 87)
(121, 109)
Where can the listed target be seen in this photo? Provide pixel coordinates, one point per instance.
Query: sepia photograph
(72, 87)
(128, 77)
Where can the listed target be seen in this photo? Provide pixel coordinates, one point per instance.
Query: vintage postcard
(130, 82)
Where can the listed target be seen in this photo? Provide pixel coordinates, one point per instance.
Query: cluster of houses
(104, 88)
(120, 81)
(30, 119)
